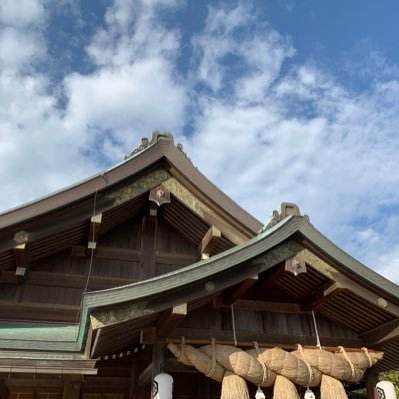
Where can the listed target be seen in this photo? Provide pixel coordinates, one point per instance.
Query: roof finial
(156, 136)
(286, 209)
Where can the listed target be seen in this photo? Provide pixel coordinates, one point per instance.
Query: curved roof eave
(163, 149)
(239, 254)
(205, 269)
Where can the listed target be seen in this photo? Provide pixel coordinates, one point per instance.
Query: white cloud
(21, 13)
(45, 147)
(267, 129)
(299, 136)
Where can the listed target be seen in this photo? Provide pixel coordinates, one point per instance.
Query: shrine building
(148, 270)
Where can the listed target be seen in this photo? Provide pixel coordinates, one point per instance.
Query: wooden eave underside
(176, 214)
(352, 294)
(62, 220)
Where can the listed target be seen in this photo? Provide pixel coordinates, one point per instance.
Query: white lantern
(386, 390)
(162, 386)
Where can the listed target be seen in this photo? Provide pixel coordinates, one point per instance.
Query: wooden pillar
(148, 245)
(3, 390)
(134, 379)
(158, 359)
(71, 387)
(202, 389)
(371, 382)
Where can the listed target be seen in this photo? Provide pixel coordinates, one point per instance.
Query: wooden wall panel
(171, 241)
(126, 235)
(209, 318)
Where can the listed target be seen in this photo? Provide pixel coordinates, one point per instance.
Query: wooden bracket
(94, 231)
(276, 275)
(348, 283)
(22, 262)
(212, 236)
(171, 319)
(159, 196)
(240, 290)
(148, 335)
(322, 295)
(385, 333)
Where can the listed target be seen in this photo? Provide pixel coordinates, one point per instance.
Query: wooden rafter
(171, 319)
(344, 282)
(382, 334)
(274, 277)
(212, 236)
(322, 295)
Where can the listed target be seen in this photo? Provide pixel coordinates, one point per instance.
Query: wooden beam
(348, 283)
(382, 334)
(148, 335)
(262, 306)
(94, 231)
(70, 280)
(171, 319)
(322, 295)
(212, 236)
(196, 336)
(112, 253)
(133, 255)
(274, 277)
(240, 290)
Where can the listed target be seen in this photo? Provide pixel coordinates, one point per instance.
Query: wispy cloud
(300, 135)
(263, 126)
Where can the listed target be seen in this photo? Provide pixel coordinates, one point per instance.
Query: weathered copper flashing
(162, 151)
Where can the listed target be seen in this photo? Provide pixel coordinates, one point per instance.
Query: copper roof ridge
(160, 147)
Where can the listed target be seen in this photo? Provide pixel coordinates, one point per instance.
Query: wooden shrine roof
(63, 219)
(340, 288)
(160, 150)
(114, 312)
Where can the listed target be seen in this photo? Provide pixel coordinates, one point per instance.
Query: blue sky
(273, 100)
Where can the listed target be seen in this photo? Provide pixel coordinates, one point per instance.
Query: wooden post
(148, 245)
(158, 359)
(134, 379)
(3, 390)
(371, 382)
(71, 387)
(202, 389)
